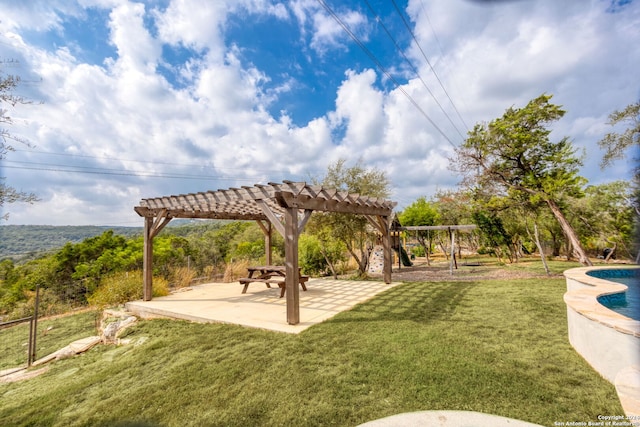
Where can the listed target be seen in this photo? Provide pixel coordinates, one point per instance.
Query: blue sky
(137, 99)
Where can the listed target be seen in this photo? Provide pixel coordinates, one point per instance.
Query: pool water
(626, 303)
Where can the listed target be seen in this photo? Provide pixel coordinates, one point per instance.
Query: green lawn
(497, 347)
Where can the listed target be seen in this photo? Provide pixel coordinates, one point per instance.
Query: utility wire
(433, 30)
(415, 70)
(382, 68)
(408, 27)
(118, 172)
(435, 36)
(140, 161)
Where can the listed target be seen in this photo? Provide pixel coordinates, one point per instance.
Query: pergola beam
(344, 205)
(271, 216)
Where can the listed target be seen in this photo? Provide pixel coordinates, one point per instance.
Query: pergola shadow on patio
(286, 207)
(260, 307)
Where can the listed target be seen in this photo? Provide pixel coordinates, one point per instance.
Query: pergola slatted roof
(240, 203)
(279, 204)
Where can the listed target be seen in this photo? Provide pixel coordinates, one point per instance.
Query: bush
(235, 270)
(418, 251)
(123, 287)
(49, 304)
(181, 277)
(310, 258)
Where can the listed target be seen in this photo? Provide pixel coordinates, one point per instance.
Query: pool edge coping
(584, 300)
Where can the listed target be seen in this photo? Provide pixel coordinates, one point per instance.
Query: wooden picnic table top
(266, 275)
(266, 268)
(269, 268)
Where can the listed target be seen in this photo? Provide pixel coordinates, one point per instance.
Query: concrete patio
(260, 307)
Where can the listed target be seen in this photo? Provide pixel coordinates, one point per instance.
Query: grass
(53, 334)
(529, 264)
(497, 347)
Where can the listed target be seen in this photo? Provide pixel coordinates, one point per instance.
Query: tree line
(25, 242)
(521, 189)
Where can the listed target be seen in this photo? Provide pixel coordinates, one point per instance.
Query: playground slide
(404, 257)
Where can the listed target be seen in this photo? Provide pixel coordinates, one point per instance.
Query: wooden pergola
(285, 206)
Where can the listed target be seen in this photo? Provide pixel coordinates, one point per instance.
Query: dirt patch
(440, 272)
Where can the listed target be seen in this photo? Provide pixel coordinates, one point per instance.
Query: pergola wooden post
(147, 260)
(266, 229)
(266, 203)
(291, 265)
(151, 229)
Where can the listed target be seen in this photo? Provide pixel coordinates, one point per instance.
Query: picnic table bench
(270, 275)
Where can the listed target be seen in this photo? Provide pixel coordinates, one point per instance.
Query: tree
(454, 208)
(318, 255)
(420, 212)
(333, 251)
(615, 144)
(353, 230)
(514, 154)
(8, 84)
(606, 215)
(493, 232)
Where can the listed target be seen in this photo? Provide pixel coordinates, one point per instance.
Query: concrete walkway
(447, 419)
(260, 307)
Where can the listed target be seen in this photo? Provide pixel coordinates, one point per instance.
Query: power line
(415, 70)
(437, 39)
(433, 30)
(187, 165)
(415, 39)
(382, 68)
(117, 172)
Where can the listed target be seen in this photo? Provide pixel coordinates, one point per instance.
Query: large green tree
(514, 153)
(421, 213)
(605, 217)
(352, 230)
(616, 144)
(454, 208)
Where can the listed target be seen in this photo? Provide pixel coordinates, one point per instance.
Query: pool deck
(608, 341)
(260, 307)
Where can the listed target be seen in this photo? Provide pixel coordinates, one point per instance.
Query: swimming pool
(626, 303)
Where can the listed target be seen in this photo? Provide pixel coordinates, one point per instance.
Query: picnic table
(270, 275)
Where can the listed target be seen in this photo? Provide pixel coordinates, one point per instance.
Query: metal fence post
(33, 332)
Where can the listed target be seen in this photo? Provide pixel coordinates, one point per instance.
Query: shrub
(310, 256)
(418, 251)
(123, 287)
(235, 270)
(182, 277)
(49, 304)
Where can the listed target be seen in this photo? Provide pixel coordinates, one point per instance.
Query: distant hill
(20, 242)
(25, 242)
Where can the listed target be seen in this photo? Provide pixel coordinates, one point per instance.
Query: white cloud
(330, 34)
(136, 48)
(193, 23)
(124, 115)
(360, 105)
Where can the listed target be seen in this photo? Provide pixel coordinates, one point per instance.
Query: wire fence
(39, 332)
